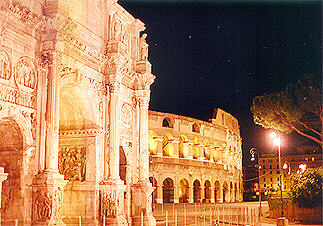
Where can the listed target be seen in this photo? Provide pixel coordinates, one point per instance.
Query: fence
(205, 214)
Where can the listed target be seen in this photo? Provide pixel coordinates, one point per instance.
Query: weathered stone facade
(193, 160)
(74, 94)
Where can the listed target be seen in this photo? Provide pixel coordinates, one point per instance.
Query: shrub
(306, 189)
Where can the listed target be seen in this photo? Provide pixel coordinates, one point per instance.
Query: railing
(205, 214)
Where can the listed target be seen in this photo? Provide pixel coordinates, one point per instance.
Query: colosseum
(193, 160)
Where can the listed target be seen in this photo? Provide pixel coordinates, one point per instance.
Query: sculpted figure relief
(71, 163)
(108, 203)
(25, 74)
(5, 68)
(42, 206)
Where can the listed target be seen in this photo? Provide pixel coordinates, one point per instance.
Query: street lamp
(254, 151)
(276, 140)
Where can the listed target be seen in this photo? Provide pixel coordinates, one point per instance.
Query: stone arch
(225, 191)
(168, 146)
(196, 191)
(207, 191)
(168, 122)
(183, 146)
(183, 191)
(216, 191)
(153, 182)
(196, 148)
(152, 142)
(78, 108)
(168, 190)
(14, 157)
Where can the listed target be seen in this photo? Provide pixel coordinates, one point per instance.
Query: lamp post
(254, 151)
(276, 140)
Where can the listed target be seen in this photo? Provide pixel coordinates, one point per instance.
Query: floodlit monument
(74, 96)
(193, 160)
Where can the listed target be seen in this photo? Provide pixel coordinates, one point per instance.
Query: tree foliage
(306, 189)
(297, 108)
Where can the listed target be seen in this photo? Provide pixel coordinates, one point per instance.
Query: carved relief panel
(72, 163)
(126, 121)
(17, 84)
(5, 66)
(25, 75)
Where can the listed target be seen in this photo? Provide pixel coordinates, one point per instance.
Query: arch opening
(168, 191)
(183, 191)
(216, 191)
(196, 191)
(11, 158)
(207, 192)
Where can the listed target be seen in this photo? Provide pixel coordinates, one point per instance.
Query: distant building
(292, 163)
(193, 160)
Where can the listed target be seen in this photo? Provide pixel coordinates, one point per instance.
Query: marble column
(3, 177)
(142, 191)
(112, 187)
(49, 184)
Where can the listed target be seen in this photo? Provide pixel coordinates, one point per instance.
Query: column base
(142, 204)
(111, 202)
(47, 198)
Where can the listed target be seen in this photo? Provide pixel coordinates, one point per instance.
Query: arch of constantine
(193, 160)
(74, 131)
(74, 94)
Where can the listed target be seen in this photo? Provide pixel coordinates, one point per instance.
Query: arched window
(167, 122)
(196, 128)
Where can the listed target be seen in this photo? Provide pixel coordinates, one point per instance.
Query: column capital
(143, 98)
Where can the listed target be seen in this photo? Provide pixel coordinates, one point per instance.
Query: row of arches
(167, 192)
(196, 149)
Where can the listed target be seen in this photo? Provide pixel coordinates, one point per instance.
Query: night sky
(211, 54)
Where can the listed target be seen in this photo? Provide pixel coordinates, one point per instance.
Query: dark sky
(211, 54)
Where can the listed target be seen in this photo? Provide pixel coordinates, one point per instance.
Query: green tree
(297, 108)
(306, 189)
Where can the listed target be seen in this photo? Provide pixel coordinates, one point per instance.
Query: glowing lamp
(285, 166)
(273, 135)
(277, 141)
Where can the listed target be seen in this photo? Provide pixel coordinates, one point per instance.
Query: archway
(153, 182)
(196, 191)
(168, 146)
(225, 192)
(216, 191)
(11, 158)
(207, 191)
(183, 191)
(122, 165)
(168, 190)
